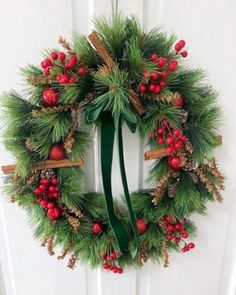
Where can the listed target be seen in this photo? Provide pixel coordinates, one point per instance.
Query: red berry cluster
(179, 46)
(108, 262)
(175, 232)
(169, 136)
(67, 64)
(47, 192)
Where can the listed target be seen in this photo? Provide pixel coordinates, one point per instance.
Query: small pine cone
(72, 261)
(184, 116)
(29, 144)
(63, 254)
(188, 147)
(172, 190)
(194, 177)
(165, 253)
(47, 173)
(74, 222)
(175, 174)
(44, 242)
(50, 246)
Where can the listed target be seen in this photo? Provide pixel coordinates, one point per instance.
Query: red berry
(115, 269)
(152, 87)
(184, 235)
(157, 89)
(154, 57)
(173, 65)
(178, 145)
(162, 84)
(184, 53)
(38, 191)
(72, 80)
(170, 149)
(43, 65)
(50, 205)
(182, 43)
(109, 258)
(152, 134)
(161, 62)
(170, 227)
(61, 56)
(174, 163)
(50, 97)
(82, 71)
(55, 195)
(161, 131)
(184, 249)
(191, 245)
(51, 188)
(177, 240)
(48, 62)
(183, 138)
(42, 187)
(46, 181)
(56, 152)
(73, 59)
(120, 270)
(170, 140)
(164, 75)
(164, 122)
(114, 255)
(178, 102)
(177, 132)
(178, 47)
(53, 213)
(97, 229)
(177, 226)
(142, 88)
(161, 140)
(154, 75)
(141, 225)
(181, 228)
(105, 266)
(54, 180)
(169, 237)
(54, 55)
(63, 79)
(46, 72)
(44, 204)
(69, 64)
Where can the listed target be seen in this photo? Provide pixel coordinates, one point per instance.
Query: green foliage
(29, 138)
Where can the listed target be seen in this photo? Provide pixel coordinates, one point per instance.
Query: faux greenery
(131, 50)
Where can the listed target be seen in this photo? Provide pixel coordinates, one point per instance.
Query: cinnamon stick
(160, 153)
(97, 43)
(7, 169)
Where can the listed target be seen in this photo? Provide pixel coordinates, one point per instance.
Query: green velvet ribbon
(109, 127)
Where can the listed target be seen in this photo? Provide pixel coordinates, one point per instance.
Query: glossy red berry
(61, 56)
(157, 89)
(152, 87)
(57, 152)
(120, 270)
(54, 180)
(184, 53)
(170, 140)
(178, 47)
(161, 140)
(191, 245)
(183, 138)
(105, 266)
(142, 226)
(154, 57)
(177, 132)
(161, 131)
(170, 227)
(177, 240)
(142, 88)
(82, 71)
(182, 43)
(38, 191)
(173, 65)
(162, 84)
(72, 80)
(44, 204)
(50, 97)
(46, 72)
(48, 62)
(177, 226)
(53, 213)
(55, 195)
(50, 205)
(155, 75)
(46, 181)
(170, 149)
(174, 163)
(164, 75)
(42, 187)
(161, 62)
(184, 235)
(169, 237)
(54, 55)
(97, 228)
(178, 145)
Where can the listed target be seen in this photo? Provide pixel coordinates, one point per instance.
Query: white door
(28, 26)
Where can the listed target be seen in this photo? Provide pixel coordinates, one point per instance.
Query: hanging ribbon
(107, 143)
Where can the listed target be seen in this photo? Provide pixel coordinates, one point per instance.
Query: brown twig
(47, 164)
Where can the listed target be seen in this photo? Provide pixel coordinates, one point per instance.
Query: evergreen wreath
(119, 75)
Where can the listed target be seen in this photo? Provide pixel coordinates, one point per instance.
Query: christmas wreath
(118, 75)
